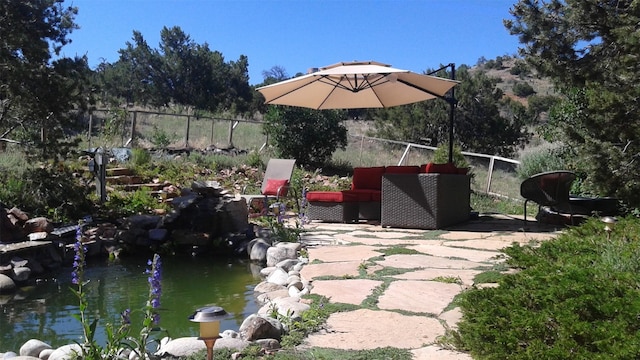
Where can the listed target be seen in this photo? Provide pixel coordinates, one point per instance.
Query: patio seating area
(431, 196)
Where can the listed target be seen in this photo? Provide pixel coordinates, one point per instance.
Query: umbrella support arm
(452, 105)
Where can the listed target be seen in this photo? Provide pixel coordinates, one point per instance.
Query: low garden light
(209, 318)
(275, 209)
(609, 224)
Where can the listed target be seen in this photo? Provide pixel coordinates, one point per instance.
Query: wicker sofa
(412, 200)
(425, 200)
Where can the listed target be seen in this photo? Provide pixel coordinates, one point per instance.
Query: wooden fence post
(230, 134)
(132, 139)
(186, 136)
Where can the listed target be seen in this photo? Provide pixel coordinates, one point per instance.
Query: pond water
(46, 310)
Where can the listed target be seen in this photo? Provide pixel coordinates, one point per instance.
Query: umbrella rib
(422, 89)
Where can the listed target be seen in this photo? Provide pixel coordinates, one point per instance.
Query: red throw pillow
(273, 185)
(447, 168)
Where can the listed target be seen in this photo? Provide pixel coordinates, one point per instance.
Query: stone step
(119, 171)
(154, 187)
(123, 179)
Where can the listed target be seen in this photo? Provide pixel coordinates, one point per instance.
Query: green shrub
(51, 191)
(161, 138)
(309, 136)
(541, 159)
(139, 202)
(523, 89)
(577, 296)
(140, 157)
(441, 156)
(255, 160)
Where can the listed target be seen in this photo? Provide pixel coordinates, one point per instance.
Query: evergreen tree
(37, 93)
(589, 48)
(479, 124)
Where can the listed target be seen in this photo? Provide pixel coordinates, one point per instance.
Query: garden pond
(45, 309)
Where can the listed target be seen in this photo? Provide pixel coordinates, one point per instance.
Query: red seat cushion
(366, 194)
(331, 196)
(367, 178)
(274, 184)
(402, 169)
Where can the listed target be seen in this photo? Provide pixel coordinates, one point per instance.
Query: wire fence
(493, 175)
(154, 129)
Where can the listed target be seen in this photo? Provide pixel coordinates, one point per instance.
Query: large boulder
(181, 347)
(257, 249)
(33, 348)
(6, 284)
(66, 352)
(38, 224)
(21, 274)
(282, 251)
(256, 327)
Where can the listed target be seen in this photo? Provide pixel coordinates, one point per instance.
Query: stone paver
(455, 252)
(348, 291)
(346, 268)
(412, 261)
(369, 329)
(464, 275)
(344, 253)
(430, 297)
(459, 253)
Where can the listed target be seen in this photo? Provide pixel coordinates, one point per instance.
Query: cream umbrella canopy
(360, 85)
(355, 85)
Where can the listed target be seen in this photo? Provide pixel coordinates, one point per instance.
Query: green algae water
(45, 310)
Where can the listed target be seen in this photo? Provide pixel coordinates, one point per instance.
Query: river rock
(266, 287)
(158, 235)
(21, 274)
(38, 224)
(267, 297)
(231, 343)
(287, 264)
(44, 354)
(6, 284)
(266, 271)
(18, 262)
(280, 252)
(180, 347)
(257, 249)
(278, 277)
(33, 347)
(268, 344)
(286, 306)
(256, 327)
(66, 352)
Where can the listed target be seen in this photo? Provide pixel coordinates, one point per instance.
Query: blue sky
(297, 35)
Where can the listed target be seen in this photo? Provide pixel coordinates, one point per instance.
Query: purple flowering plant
(117, 337)
(90, 349)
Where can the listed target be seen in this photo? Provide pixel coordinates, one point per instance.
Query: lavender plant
(89, 347)
(117, 337)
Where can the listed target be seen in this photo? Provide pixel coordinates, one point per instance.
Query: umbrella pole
(452, 103)
(452, 106)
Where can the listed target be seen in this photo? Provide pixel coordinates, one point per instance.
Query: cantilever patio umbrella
(361, 84)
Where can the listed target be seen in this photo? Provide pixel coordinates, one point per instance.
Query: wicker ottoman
(332, 206)
(424, 201)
